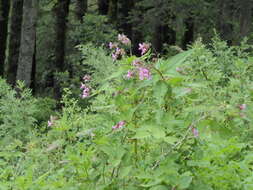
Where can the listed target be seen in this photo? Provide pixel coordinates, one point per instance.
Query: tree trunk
(137, 36)
(4, 12)
(225, 20)
(113, 10)
(27, 45)
(245, 18)
(13, 42)
(124, 8)
(81, 8)
(103, 6)
(61, 10)
(189, 33)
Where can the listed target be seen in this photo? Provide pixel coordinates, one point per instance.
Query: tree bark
(245, 17)
(4, 12)
(81, 8)
(137, 36)
(189, 33)
(61, 11)
(13, 41)
(103, 6)
(124, 8)
(225, 19)
(113, 10)
(28, 39)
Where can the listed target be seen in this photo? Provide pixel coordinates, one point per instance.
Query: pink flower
(113, 45)
(178, 69)
(52, 120)
(87, 78)
(119, 52)
(144, 47)
(119, 125)
(242, 107)
(130, 74)
(195, 132)
(124, 39)
(83, 86)
(137, 63)
(86, 92)
(49, 123)
(114, 56)
(144, 73)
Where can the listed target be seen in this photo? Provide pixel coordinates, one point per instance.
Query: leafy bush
(16, 112)
(178, 123)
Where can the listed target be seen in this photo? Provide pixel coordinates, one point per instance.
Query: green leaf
(159, 187)
(185, 180)
(160, 90)
(125, 171)
(141, 134)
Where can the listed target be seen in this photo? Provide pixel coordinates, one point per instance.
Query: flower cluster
(195, 132)
(141, 69)
(119, 52)
(124, 39)
(119, 125)
(144, 73)
(242, 107)
(144, 47)
(52, 120)
(85, 89)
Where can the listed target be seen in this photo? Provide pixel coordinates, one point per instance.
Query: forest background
(38, 39)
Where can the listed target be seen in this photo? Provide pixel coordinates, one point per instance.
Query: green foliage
(16, 112)
(188, 127)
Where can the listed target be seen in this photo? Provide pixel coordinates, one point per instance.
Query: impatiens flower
(137, 63)
(178, 69)
(195, 132)
(119, 52)
(114, 56)
(144, 47)
(86, 92)
(87, 78)
(119, 125)
(83, 86)
(113, 45)
(144, 73)
(130, 74)
(50, 122)
(124, 39)
(242, 106)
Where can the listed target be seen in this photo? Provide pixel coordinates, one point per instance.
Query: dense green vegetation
(183, 122)
(126, 95)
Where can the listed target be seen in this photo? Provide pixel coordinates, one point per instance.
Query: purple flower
(119, 52)
(87, 78)
(130, 74)
(119, 125)
(195, 132)
(144, 47)
(124, 39)
(113, 45)
(83, 86)
(144, 73)
(49, 123)
(137, 63)
(242, 107)
(178, 69)
(114, 56)
(86, 92)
